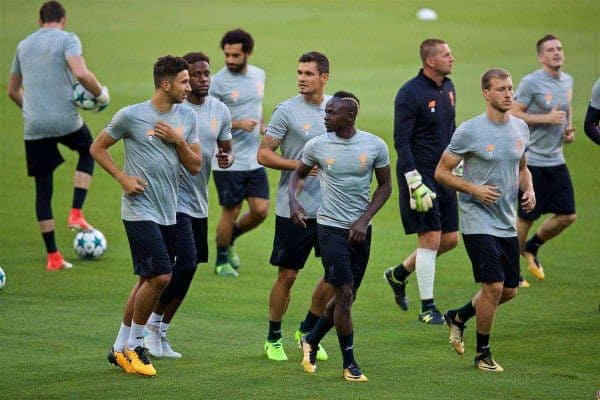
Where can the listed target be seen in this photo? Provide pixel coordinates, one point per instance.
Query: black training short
(235, 186)
(442, 217)
(553, 192)
(494, 259)
(343, 262)
(192, 241)
(152, 247)
(43, 155)
(292, 243)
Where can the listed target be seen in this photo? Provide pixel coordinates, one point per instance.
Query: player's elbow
(195, 166)
(261, 158)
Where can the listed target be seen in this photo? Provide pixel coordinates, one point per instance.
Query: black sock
(533, 245)
(274, 331)
(236, 233)
(49, 241)
(222, 254)
(400, 273)
(427, 304)
(483, 342)
(347, 347)
(309, 322)
(79, 197)
(453, 314)
(319, 331)
(466, 312)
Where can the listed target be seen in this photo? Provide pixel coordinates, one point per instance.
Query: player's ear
(165, 85)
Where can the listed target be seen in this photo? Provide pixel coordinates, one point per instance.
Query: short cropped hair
(195, 57)
(52, 11)
(167, 68)
(494, 73)
(236, 36)
(345, 95)
(540, 43)
(318, 58)
(428, 48)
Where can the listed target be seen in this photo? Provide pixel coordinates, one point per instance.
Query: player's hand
(132, 185)
(314, 171)
(358, 231)
(487, 194)
(556, 116)
(569, 135)
(421, 197)
(167, 133)
(224, 160)
(247, 125)
(297, 213)
(528, 200)
(102, 100)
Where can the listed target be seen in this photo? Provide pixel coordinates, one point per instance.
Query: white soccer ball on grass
(90, 244)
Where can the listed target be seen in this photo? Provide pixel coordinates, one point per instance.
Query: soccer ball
(90, 244)
(83, 98)
(2, 278)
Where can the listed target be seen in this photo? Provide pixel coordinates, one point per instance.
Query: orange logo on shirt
(306, 128)
(329, 161)
(490, 148)
(431, 105)
(235, 95)
(548, 98)
(260, 88)
(362, 159)
(214, 124)
(519, 144)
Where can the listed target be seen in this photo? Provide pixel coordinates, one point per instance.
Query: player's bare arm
(569, 135)
(554, 116)
(131, 185)
(15, 89)
(358, 230)
(443, 174)
(268, 156)
(247, 124)
(84, 75)
(225, 156)
(189, 154)
(297, 213)
(526, 185)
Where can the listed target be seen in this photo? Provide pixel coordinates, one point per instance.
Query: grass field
(55, 328)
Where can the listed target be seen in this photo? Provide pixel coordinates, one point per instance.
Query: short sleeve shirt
(492, 153)
(214, 124)
(243, 95)
(295, 122)
(345, 172)
(540, 93)
(41, 60)
(152, 159)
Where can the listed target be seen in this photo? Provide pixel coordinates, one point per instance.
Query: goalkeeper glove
(102, 100)
(421, 197)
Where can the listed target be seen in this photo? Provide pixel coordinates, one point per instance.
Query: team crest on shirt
(519, 144)
(490, 149)
(260, 88)
(329, 161)
(451, 96)
(214, 124)
(362, 160)
(235, 95)
(306, 128)
(548, 98)
(431, 106)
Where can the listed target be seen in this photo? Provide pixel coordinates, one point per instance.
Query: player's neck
(496, 116)
(161, 103)
(314, 98)
(53, 25)
(197, 100)
(346, 133)
(553, 72)
(433, 75)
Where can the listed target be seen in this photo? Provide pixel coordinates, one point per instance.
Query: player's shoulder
(219, 76)
(217, 104)
(566, 78)
(185, 109)
(369, 137)
(518, 122)
(288, 104)
(256, 71)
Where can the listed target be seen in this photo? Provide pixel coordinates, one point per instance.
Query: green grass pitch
(55, 328)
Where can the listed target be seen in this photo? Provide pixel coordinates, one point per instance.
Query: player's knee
(86, 162)
(494, 289)
(160, 282)
(260, 213)
(509, 294)
(287, 276)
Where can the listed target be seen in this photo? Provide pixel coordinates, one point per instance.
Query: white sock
(155, 319)
(425, 269)
(122, 337)
(136, 336)
(163, 329)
